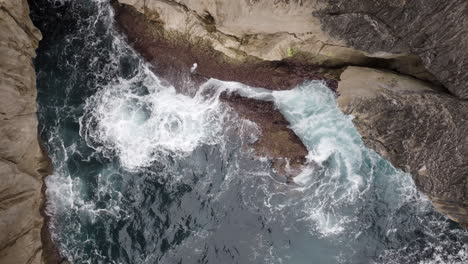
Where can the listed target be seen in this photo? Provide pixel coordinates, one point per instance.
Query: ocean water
(143, 174)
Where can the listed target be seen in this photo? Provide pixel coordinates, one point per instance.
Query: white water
(349, 205)
(331, 193)
(140, 128)
(140, 121)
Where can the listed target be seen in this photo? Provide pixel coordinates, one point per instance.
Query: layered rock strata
(23, 164)
(173, 53)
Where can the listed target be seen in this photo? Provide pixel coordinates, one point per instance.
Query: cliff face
(22, 161)
(418, 126)
(435, 31)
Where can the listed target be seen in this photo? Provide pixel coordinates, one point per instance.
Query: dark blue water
(146, 175)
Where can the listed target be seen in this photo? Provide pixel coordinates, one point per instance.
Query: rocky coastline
(418, 129)
(405, 88)
(333, 38)
(172, 58)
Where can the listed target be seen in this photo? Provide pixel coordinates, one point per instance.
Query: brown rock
(22, 161)
(277, 141)
(435, 31)
(264, 29)
(172, 57)
(173, 54)
(267, 30)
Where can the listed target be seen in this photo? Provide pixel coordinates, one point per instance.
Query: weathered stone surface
(21, 222)
(263, 29)
(22, 161)
(267, 30)
(435, 31)
(418, 129)
(174, 54)
(277, 141)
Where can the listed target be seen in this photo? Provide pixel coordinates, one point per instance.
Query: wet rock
(417, 128)
(423, 39)
(173, 59)
(435, 31)
(246, 31)
(269, 30)
(22, 161)
(277, 141)
(173, 55)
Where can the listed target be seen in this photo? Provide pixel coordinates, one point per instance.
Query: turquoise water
(144, 174)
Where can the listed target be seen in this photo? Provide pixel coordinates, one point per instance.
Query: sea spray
(141, 121)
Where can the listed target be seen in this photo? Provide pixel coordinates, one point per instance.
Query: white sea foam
(333, 179)
(139, 119)
(140, 123)
(139, 126)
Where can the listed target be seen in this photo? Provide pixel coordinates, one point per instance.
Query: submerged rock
(277, 141)
(419, 129)
(23, 164)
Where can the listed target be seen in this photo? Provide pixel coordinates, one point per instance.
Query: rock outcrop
(267, 30)
(23, 164)
(417, 128)
(172, 57)
(263, 29)
(173, 53)
(435, 31)
(277, 141)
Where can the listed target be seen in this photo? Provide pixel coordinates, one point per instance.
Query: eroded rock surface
(418, 129)
(22, 161)
(267, 30)
(435, 31)
(277, 141)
